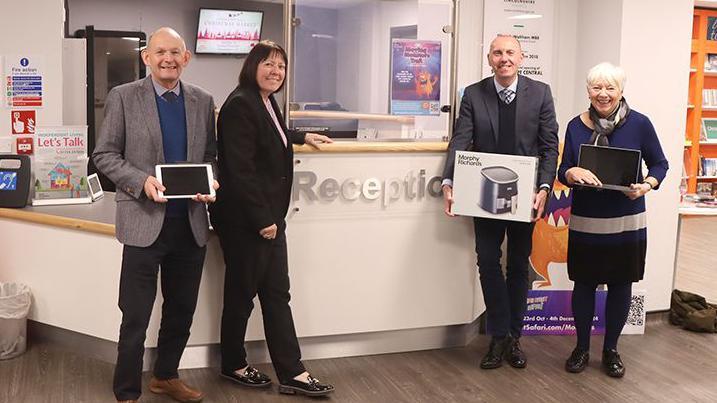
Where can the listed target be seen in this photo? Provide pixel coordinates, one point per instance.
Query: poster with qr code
(549, 312)
(636, 316)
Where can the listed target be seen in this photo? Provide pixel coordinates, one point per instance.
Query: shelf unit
(699, 80)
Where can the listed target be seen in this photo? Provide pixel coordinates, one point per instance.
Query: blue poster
(415, 77)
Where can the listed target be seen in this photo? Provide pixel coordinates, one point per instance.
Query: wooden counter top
(58, 221)
(97, 217)
(376, 147)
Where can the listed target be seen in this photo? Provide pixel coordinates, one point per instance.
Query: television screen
(228, 32)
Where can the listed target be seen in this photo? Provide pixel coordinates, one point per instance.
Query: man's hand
(637, 190)
(576, 175)
(447, 200)
(268, 232)
(314, 139)
(539, 203)
(151, 187)
(206, 198)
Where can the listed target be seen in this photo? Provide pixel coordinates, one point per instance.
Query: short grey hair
(607, 72)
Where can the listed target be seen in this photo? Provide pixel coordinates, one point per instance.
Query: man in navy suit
(505, 114)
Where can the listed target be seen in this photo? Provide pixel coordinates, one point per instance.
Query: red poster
(24, 145)
(23, 122)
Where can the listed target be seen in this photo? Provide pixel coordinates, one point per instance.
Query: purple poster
(415, 77)
(549, 313)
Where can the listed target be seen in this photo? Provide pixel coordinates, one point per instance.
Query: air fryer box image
(494, 185)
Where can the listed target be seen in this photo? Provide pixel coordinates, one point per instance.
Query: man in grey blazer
(505, 114)
(159, 119)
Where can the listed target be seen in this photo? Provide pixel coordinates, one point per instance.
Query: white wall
(217, 74)
(598, 40)
(565, 46)
(471, 55)
(39, 36)
(655, 54)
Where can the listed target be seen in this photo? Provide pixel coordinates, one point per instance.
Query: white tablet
(94, 186)
(184, 181)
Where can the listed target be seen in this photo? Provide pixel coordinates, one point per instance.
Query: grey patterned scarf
(603, 127)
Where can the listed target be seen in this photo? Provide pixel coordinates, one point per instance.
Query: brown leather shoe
(176, 389)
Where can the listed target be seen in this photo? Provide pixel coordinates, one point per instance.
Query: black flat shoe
(612, 364)
(311, 388)
(251, 378)
(578, 361)
(494, 357)
(515, 355)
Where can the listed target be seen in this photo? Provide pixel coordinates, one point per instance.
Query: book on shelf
(711, 62)
(709, 166)
(709, 98)
(698, 198)
(708, 129)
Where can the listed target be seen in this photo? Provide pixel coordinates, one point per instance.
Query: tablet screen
(613, 166)
(94, 183)
(185, 180)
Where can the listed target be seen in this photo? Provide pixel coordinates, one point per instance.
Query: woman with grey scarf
(607, 239)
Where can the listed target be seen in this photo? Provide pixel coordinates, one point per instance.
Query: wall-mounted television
(228, 32)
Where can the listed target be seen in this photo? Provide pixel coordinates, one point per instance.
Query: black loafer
(514, 354)
(311, 388)
(612, 364)
(578, 361)
(494, 357)
(252, 378)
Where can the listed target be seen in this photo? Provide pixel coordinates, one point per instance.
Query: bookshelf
(698, 108)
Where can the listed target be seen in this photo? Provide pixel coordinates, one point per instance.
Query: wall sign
(23, 122)
(23, 81)
(531, 22)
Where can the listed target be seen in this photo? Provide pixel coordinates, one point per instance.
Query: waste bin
(14, 307)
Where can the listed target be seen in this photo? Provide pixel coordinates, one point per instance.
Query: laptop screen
(613, 166)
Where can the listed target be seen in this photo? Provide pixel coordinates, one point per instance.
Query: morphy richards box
(494, 185)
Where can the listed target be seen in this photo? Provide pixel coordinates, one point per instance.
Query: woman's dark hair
(261, 51)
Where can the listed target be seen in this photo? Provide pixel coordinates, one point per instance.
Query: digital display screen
(613, 166)
(94, 184)
(185, 181)
(228, 32)
(8, 180)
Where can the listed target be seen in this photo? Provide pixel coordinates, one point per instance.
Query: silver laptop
(617, 168)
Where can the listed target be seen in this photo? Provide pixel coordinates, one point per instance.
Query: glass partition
(371, 69)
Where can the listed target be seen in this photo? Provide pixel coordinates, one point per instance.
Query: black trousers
(505, 297)
(257, 266)
(181, 262)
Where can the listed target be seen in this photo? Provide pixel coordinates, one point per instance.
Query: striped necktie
(506, 95)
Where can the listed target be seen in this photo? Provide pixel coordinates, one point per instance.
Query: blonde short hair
(607, 72)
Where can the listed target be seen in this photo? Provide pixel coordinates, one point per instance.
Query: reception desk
(375, 265)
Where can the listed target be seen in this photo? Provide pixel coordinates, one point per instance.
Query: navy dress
(607, 238)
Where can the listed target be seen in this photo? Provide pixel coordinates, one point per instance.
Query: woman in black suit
(256, 170)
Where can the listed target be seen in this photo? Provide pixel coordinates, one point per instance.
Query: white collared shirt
(513, 86)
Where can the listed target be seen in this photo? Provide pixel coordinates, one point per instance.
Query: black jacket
(255, 168)
(536, 129)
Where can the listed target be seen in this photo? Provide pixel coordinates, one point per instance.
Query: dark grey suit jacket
(129, 147)
(536, 130)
